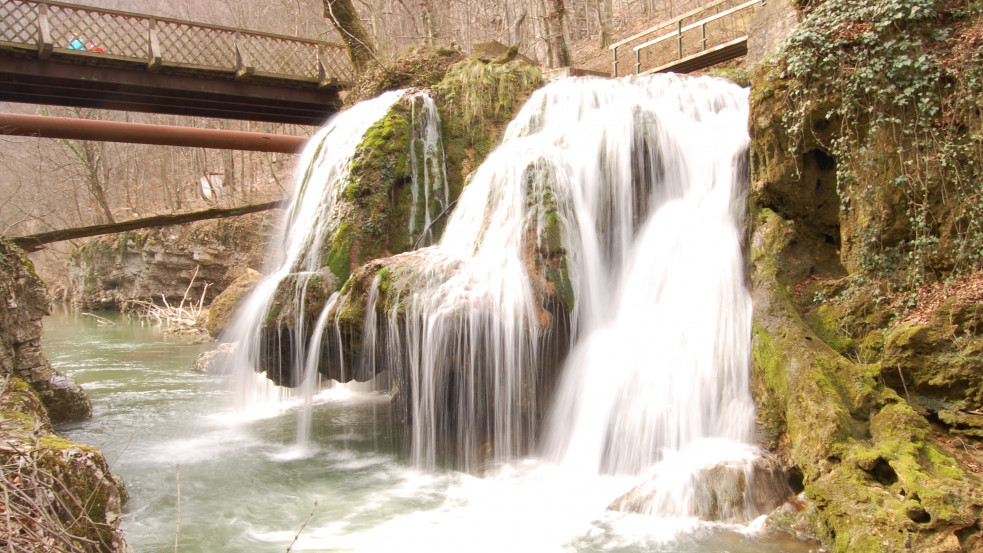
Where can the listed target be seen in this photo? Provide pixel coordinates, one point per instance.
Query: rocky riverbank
(59, 495)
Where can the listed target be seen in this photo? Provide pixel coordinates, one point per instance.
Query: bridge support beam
(138, 133)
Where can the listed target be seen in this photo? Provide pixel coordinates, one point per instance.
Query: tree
(346, 20)
(556, 42)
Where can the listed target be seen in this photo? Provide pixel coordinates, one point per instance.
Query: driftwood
(34, 242)
(174, 318)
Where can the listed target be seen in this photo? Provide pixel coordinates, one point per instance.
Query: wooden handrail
(698, 24)
(666, 23)
(133, 15)
(678, 32)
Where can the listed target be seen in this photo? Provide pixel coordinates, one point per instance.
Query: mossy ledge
(869, 462)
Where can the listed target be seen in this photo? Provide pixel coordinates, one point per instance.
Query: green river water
(245, 488)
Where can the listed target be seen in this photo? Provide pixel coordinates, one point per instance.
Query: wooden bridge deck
(64, 54)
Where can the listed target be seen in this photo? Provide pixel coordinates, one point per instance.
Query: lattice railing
(93, 34)
(696, 31)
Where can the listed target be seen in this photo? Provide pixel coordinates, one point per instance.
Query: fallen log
(34, 242)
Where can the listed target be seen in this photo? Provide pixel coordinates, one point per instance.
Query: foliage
(900, 82)
(414, 68)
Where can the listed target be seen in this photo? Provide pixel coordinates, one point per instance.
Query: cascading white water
(646, 176)
(662, 359)
(311, 216)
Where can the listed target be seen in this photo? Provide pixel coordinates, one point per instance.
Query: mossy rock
(87, 498)
(869, 462)
(224, 306)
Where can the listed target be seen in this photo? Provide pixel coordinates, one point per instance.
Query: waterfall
(645, 178)
(633, 189)
(295, 258)
(662, 360)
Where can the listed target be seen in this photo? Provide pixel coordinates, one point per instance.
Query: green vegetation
(890, 90)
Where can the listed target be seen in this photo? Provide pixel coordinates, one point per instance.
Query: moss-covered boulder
(59, 495)
(879, 479)
(404, 180)
(223, 307)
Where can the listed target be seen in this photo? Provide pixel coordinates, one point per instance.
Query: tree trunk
(604, 11)
(557, 40)
(346, 20)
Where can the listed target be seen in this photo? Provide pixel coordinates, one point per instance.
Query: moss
(869, 461)
(825, 322)
(339, 258)
(476, 100)
(737, 75)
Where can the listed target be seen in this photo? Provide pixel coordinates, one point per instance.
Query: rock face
(110, 271)
(24, 303)
(59, 495)
(880, 480)
(867, 350)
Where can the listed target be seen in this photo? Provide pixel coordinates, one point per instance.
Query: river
(244, 488)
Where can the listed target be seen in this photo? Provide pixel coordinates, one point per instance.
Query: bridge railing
(690, 34)
(98, 36)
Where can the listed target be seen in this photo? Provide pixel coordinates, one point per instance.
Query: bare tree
(346, 20)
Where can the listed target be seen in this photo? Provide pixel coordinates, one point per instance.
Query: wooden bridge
(708, 35)
(70, 55)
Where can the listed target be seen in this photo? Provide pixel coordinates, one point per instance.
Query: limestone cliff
(109, 271)
(59, 495)
(24, 302)
(866, 174)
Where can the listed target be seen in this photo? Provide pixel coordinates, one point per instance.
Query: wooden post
(45, 44)
(679, 37)
(615, 68)
(244, 65)
(325, 76)
(703, 31)
(638, 61)
(154, 57)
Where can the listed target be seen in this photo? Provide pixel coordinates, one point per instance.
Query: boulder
(63, 485)
(731, 491)
(215, 361)
(223, 307)
(495, 51)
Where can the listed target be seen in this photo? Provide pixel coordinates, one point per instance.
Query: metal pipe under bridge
(69, 55)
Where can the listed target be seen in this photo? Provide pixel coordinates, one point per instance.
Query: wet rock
(734, 491)
(224, 306)
(215, 361)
